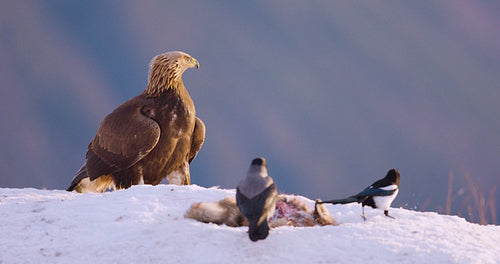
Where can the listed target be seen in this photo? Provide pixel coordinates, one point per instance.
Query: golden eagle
(149, 137)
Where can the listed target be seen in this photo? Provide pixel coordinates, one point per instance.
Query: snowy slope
(145, 224)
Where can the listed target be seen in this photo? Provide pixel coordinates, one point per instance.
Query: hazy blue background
(332, 93)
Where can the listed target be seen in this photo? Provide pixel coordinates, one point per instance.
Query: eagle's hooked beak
(194, 63)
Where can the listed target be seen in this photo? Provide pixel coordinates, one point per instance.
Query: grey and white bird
(256, 197)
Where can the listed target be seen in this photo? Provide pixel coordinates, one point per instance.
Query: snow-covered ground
(146, 224)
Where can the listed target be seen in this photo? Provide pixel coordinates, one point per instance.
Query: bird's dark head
(259, 161)
(393, 176)
(165, 71)
(258, 165)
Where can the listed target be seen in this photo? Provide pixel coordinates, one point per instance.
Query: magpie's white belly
(384, 202)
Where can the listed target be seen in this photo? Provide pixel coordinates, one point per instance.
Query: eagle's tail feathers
(82, 183)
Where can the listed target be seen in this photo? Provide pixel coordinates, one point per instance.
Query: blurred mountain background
(332, 93)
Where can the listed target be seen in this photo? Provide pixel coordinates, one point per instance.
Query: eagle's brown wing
(124, 137)
(197, 139)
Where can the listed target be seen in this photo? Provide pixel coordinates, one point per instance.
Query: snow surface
(146, 224)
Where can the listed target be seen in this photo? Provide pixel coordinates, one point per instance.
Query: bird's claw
(386, 213)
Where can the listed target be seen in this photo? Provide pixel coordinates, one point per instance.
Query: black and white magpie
(378, 195)
(256, 197)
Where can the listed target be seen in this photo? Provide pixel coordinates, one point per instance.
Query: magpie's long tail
(341, 201)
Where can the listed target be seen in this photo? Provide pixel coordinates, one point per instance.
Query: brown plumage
(149, 137)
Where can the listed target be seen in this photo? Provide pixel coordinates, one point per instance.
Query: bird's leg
(386, 212)
(363, 214)
(187, 180)
(180, 176)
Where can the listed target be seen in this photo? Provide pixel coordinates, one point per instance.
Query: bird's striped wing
(124, 137)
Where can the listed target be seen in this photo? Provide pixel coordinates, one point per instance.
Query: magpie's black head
(393, 176)
(259, 162)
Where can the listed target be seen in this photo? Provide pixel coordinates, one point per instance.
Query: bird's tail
(256, 231)
(341, 201)
(82, 182)
(80, 175)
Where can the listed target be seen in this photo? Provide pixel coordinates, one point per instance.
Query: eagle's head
(165, 71)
